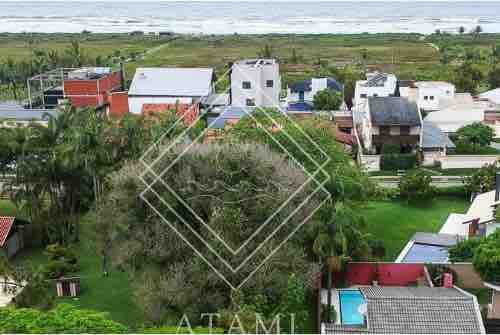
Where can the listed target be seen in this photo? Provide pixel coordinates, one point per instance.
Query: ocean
(302, 17)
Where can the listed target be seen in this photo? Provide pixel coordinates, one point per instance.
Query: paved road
(437, 181)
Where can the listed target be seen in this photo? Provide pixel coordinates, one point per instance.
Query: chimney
(122, 77)
(497, 187)
(447, 280)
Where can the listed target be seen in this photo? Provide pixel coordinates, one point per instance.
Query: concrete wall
(371, 162)
(466, 161)
(467, 275)
(135, 103)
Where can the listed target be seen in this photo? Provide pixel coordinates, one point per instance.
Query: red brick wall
(118, 104)
(91, 93)
(389, 274)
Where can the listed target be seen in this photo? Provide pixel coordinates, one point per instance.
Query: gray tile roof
(445, 240)
(393, 111)
(418, 310)
(434, 137)
(421, 310)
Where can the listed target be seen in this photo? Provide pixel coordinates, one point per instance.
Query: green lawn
(395, 222)
(112, 294)
(7, 208)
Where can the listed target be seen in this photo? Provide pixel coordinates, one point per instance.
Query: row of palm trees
(60, 168)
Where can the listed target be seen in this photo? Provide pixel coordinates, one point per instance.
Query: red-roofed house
(11, 238)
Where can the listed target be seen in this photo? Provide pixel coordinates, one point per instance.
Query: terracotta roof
(6, 223)
(345, 138)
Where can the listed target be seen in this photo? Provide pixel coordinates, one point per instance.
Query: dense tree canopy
(476, 134)
(487, 258)
(327, 100)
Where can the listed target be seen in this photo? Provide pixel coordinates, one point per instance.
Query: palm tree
(337, 239)
(461, 30)
(75, 54)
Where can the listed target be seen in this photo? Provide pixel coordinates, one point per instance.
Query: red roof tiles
(6, 223)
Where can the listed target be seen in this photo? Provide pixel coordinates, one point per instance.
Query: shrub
(390, 162)
(388, 149)
(57, 268)
(482, 180)
(57, 252)
(453, 191)
(62, 319)
(476, 134)
(377, 248)
(417, 186)
(327, 100)
(486, 258)
(324, 313)
(463, 251)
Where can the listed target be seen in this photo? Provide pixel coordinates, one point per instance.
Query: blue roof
(230, 112)
(300, 107)
(306, 85)
(425, 253)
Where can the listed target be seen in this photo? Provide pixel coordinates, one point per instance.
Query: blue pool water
(350, 301)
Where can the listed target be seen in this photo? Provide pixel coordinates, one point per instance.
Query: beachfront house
(255, 82)
(169, 86)
(300, 95)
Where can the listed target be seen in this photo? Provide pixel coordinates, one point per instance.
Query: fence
(466, 161)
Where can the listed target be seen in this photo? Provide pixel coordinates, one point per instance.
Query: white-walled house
(480, 219)
(431, 94)
(303, 92)
(255, 82)
(376, 85)
(169, 86)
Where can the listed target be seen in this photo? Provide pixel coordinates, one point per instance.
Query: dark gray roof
(434, 137)
(393, 111)
(445, 240)
(421, 310)
(14, 111)
(377, 80)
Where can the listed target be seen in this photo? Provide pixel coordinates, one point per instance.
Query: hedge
(398, 161)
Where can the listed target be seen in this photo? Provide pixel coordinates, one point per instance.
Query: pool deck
(335, 302)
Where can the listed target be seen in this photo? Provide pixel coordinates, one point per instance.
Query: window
(250, 102)
(404, 130)
(247, 85)
(431, 97)
(269, 83)
(375, 95)
(426, 97)
(364, 96)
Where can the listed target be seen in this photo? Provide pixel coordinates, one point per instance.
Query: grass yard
(395, 222)
(7, 208)
(112, 294)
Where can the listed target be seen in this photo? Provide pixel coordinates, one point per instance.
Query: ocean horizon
(297, 17)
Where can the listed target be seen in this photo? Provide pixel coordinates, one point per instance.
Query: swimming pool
(350, 303)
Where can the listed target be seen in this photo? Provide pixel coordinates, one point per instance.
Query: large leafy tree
(327, 100)
(312, 143)
(477, 134)
(486, 258)
(483, 180)
(234, 189)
